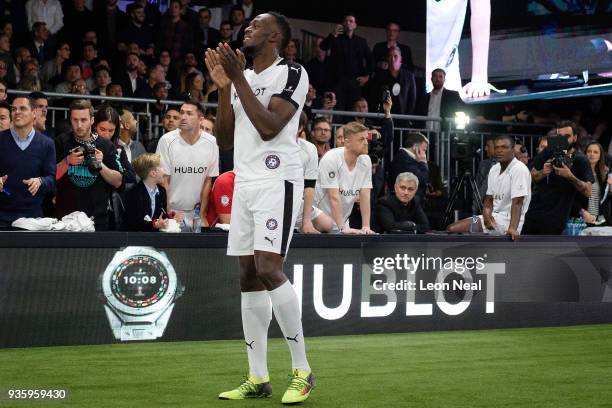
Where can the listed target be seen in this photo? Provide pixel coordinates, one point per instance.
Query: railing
(441, 143)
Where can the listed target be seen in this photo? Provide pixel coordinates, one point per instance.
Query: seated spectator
(147, 198)
(128, 129)
(220, 202)
(90, 53)
(87, 168)
(339, 141)
(103, 80)
(39, 47)
(361, 106)
(170, 122)
(106, 125)
(194, 88)
(321, 135)
(399, 212)
(130, 81)
(412, 158)
(3, 88)
(27, 168)
(42, 106)
(51, 71)
(345, 174)
(114, 89)
(5, 116)
(507, 198)
(71, 71)
(557, 187)
(598, 210)
(190, 158)
(290, 53)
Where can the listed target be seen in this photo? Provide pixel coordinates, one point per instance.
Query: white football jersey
(188, 166)
(278, 159)
(514, 182)
(445, 19)
(334, 173)
(310, 159)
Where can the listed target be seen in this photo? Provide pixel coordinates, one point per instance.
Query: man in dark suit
(129, 79)
(412, 157)
(205, 36)
(39, 47)
(439, 102)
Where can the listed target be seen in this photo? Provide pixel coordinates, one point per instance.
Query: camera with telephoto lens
(88, 149)
(376, 151)
(559, 146)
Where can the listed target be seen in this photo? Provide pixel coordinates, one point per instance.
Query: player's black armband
(310, 183)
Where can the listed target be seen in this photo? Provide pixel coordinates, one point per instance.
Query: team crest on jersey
(271, 224)
(225, 200)
(332, 174)
(272, 161)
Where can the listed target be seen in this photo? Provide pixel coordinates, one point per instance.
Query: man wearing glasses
(27, 168)
(321, 135)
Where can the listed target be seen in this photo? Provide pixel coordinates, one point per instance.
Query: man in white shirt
(46, 11)
(259, 109)
(345, 174)
(310, 219)
(190, 158)
(508, 195)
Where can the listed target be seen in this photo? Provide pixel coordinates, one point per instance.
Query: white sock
(287, 312)
(256, 316)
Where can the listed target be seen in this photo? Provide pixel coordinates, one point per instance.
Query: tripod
(465, 180)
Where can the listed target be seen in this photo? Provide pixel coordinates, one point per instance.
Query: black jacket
(403, 162)
(138, 205)
(451, 103)
(390, 213)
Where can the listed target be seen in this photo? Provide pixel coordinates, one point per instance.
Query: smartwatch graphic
(140, 287)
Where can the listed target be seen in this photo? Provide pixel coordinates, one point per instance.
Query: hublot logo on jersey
(349, 193)
(189, 170)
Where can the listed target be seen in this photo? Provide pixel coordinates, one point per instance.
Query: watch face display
(139, 281)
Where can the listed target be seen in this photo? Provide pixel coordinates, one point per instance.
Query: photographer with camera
(559, 172)
(87, 170)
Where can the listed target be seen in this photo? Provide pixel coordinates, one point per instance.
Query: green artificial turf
(543, 367)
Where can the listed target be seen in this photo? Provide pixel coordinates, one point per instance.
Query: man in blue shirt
(27, 168)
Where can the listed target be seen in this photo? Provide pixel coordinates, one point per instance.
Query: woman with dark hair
(603, 181)
(106, 125)
(194, 88)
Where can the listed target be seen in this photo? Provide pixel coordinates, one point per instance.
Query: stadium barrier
(77, 288)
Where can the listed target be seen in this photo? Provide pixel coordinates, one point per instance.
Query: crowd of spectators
(101, 169)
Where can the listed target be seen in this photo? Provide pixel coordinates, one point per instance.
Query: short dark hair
(413, 139)
(206, 9)
(31, 101)
(320, 119)
(5, 105)
(171, 108)
(284, 26)
(89, 43)
(506, 137)
(568, 123)
(198, 106)
(37, 25)
(225, 22)
(438, 70)
(38, 95)
(81, 104)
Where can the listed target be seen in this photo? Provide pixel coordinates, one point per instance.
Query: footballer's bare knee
(269, 267)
